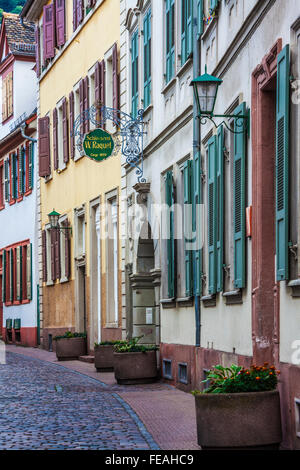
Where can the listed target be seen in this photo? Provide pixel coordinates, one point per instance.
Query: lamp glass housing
(53, 218)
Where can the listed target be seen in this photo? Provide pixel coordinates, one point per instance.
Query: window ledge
(209, 28)
(20, 199)
(28, 192)
(49, 283)
(209, 300)
(295, 286)
(168, 303)
(48, 178)
(60, 170)
(2, 207)
(233, 297)
(185, 67)
(11, 203)
(169, 85)
(63, 280)
(185, 301)
(148, 109)
(111, 325)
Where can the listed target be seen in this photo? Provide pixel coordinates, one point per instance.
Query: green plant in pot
(240, 408)
(135, 363)
(70, 346)
(104, 355)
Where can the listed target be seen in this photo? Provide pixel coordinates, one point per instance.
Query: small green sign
(98, 145)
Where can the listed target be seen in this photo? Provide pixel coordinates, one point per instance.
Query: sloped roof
(20, 36)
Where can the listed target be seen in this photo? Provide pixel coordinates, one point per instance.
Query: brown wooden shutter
(67, 253)
(116, 88)
(44, 255)
(10, 94)
(86, 102)
(57, 255)
(55, 140)
(4, 99)
(60, 22)
(44, 147)
(74, 15)
(81, 103)
(53, 238)
(49, 31)
(65, 131)
(71, 111)
(37, 51)
(80, 12)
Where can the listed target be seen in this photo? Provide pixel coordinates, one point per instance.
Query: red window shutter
(80, 12)
(37, 50)
(65, 131)
(14, 250)
(116, 92)
(53, 238)
(44, 254)
(97, 82)
(44, 147)
(102, 82)
(57, 254)
(81, 103)
(60, 22)
(86, 124)
(55, 140)
(74, 15)
(49, 31)
(71, 111)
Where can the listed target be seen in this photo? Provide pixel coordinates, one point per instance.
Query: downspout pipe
(26, 136)
(196, 149)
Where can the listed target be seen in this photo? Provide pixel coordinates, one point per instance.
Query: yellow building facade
(78, 67)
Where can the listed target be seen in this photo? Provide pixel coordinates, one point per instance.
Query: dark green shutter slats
(239, 174)
(188, 253)
(282, 164)
(6, 179)
(199, 17)
(212, 219)
(134, 74)
(220, 207)
(170, 240)
(30, 166)
(147, 59)
(196, 223)
(4, 276)
(213, 4)
(170, 39)
(186, 29)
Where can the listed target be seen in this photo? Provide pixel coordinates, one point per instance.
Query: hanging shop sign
(98, 145)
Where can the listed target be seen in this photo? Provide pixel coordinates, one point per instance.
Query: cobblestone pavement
(44, 406)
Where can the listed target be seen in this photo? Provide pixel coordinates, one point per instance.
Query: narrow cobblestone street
(44, 406)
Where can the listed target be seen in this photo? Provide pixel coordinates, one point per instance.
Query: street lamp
(54, 221)
(205, 91)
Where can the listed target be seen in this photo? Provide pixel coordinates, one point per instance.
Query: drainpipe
(26, 136)
(196, 145)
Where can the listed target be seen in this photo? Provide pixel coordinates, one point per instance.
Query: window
(56, 253)
(147, 58)
(80, 9)
(17, 274)
(7, 96)
(76, 113)
(167, 369)
(134, 74)
(186, 30)
(170, 39)
(183, 372)
(112, 262)
(171, 262)
(80, 233)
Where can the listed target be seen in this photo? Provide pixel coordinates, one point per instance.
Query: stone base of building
(48, 336)
(197, 361)
(23, 337)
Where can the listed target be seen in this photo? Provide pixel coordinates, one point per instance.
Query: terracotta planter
(104, 358)
(238, 420)
(135, 367)
(70, 348)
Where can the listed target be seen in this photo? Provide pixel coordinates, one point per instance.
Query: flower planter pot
(135, 367)
(239, 420)
(104, 358)
(68, 349)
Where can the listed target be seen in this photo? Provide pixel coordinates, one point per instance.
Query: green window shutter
(30, 166)
(147, 59)
(170, 39)
(134, 75)
(199, 18)
(6, 180)
(196, 223)
(188, 254)
(220, 207)
(170, 241)
(212, 213)
(213, 4)
(239, 205)
(11, 276)
(183, 31)
(18, 271)
(189, 28)
(4, 276)
(15, 176)
(282, 164)
(21, 171)
(29, 271)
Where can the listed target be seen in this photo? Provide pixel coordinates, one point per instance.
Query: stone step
(90, 359)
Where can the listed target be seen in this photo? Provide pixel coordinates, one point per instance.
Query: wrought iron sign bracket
(242, 122)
